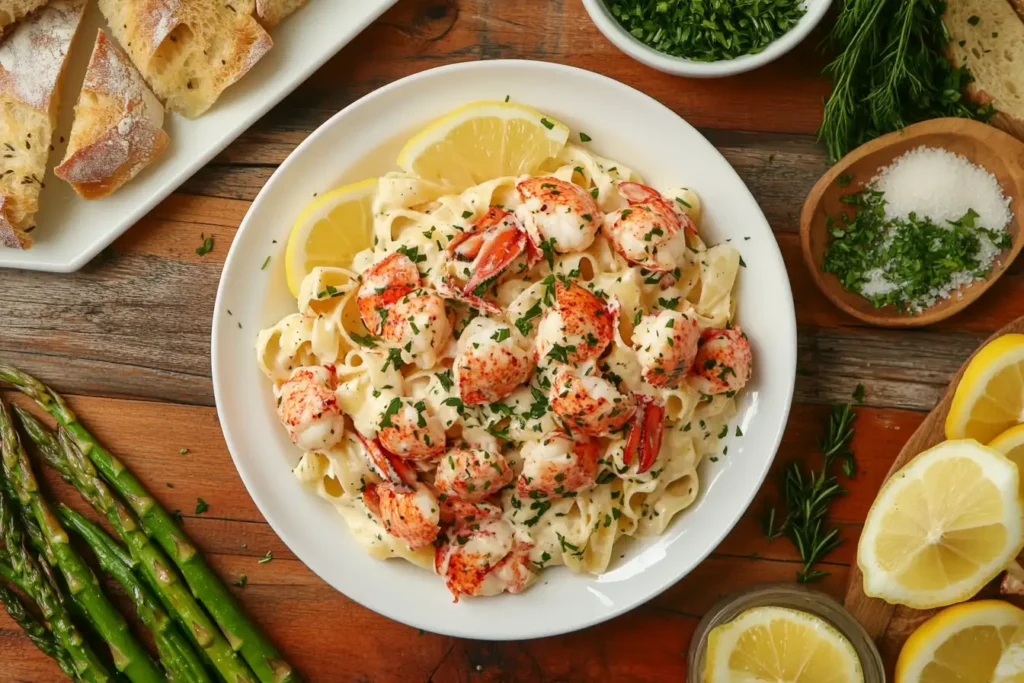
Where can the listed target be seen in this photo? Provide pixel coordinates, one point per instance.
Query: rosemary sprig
(809, 495)
(890, 70)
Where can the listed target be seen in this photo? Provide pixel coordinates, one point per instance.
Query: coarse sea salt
(935, 183)
(941, 185)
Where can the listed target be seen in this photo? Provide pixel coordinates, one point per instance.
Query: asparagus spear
(257, 650)
(129, 656)
(25, 572)
(176, 654)
(65, 457)
(37, 633)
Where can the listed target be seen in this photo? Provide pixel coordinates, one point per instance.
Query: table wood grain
(127, 339)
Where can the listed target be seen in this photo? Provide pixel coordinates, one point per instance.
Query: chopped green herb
(584, 137)
(266, 558)
(201, 506)
(264, 266)
(207, 245)
(547, 124)
(242, 580)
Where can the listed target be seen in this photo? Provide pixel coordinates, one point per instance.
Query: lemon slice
(481, 141)
(780, 645)
(990, 397)
(331, 231)
(942, 527)
(977, 642)
(1011, 444)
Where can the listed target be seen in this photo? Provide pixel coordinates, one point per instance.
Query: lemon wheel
(990, 397)
(977, 642)
(780, 645)
(331, 231)
(942, 527)
(481, 141)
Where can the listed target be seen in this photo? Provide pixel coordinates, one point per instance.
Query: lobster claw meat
(645, 434)
(388, 466)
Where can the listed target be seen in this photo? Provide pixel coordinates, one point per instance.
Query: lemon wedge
(1011, 444)
(331, 231)
(780, 645)
(990, 397)
(483, 140)
(942, 527)
(977, 642)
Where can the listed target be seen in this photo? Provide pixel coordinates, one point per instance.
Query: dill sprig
(890, 70)
(809, 495)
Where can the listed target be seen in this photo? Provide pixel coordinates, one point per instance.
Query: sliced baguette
(271, 12)
(118, 128)
(32, 59)
(189, 51)
(987, 37)
(12, 11)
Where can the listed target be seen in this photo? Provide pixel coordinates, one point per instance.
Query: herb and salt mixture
(707, 30)
(925, 226)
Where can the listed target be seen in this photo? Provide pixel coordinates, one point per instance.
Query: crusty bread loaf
(988, 37)
(1019, 6)
(118, 127)
(189, 51)
(32, 60)
(270, 12)
(14, 10)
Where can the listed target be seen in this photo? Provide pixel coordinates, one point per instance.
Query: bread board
(71, 231)
(891, 625)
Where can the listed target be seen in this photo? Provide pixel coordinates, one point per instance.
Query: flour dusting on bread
(188, 52)
(32, 59)
(118, 127)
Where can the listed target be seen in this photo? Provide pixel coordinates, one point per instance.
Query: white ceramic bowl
(363, 140)
(613, 31)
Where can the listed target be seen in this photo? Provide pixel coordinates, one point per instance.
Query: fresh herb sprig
(809, 495)
(890, 70)
(709, 30)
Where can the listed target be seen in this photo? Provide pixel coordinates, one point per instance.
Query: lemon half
(780, 645)
(483, 140)
(1011, 444)
(977, 642)
(990, 397)
(942, 527)
(331, 231)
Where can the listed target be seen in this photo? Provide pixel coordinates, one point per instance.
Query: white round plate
(613, 31)
(362, 141)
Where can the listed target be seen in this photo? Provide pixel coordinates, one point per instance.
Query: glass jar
(794, 597)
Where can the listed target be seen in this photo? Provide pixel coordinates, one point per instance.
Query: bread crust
(189, 51)
(32, 59)
(271, 12)
(118, 128)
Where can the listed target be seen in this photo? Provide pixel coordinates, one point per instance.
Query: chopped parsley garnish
(201, 506)
(858, 393)
(669, 303)
(561, 353)
(445, 378)
(393, 407)
(501, 334)
(548, 247)
(394, 359)
(368, 341)
(413, 254)
(547, 124)
(264, 266)
(242, 580)
(584, 137)
(266, 558)
(908, 262)
(523, 323)
(467, 214)
(206, 247)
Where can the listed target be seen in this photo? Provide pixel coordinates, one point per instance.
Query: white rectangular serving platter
(70, 231)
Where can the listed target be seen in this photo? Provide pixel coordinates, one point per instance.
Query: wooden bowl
(1001, 154)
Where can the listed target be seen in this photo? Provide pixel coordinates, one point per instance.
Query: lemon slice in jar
(780, 645)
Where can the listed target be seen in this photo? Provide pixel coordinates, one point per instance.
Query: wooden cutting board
(891, 625)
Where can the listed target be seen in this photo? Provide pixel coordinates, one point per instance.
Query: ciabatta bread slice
(988, 37)
(32, 60)
(270, 12)
(12, 11)
(188, 50)
(118, 127)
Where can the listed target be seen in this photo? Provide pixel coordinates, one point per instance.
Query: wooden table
(128, 339)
